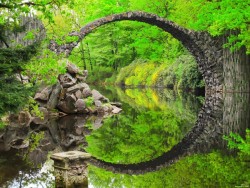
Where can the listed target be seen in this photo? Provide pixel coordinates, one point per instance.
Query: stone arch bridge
(206, 50)
(222, 71)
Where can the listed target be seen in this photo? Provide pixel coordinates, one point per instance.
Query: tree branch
(5, 6)
(8, 6)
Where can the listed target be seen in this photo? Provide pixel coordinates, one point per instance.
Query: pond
(162, 138)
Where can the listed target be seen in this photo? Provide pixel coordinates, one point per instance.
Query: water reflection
(156, 129)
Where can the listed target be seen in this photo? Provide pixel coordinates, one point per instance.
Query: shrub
(89, 101)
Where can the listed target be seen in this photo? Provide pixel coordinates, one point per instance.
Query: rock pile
(71, 95)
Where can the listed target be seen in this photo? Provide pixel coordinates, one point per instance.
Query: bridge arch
(206, 50)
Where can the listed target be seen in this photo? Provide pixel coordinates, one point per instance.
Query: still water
(161, 139)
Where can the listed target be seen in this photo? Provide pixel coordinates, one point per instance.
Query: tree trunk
(83, 57)
(90, 60)
(236, 70)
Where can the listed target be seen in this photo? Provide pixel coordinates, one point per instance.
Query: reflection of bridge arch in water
(219, 116)
(205, 49)
(200, 139)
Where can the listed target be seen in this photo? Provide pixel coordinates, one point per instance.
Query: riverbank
(179, 74)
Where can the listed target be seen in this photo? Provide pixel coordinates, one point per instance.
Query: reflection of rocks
(14, 137)
(67, 132)
(73, 129)
(22, 119)
(37, 156)
(72, 96)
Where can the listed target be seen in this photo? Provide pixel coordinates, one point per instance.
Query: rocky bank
(71, 95)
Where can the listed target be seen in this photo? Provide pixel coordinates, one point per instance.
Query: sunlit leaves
(49, 65)
(219, 17)
(235, 141)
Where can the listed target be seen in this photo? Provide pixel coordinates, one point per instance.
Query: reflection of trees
(186, 106)
(200, 170)
(34, 177)
(124, 139)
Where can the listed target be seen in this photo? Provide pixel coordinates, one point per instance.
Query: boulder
(107, 108)
(66, 80)
(85, 73)
(97, 95)
(80, 105)
(80, 86)
(98, 103)
(86, 92)
(72, 69)
(80, 78)
(62, 94)
(116, 110)
(70, 94)
(18, 77)
(117, 104)
(44, 94)
(24, 77)
(19, 143)
(41, 96)
(53, 100)
(104, 99)
(98, 122)
(100, 111)
(43, 119)
(24, 118)
(78, 94)
(68, 104)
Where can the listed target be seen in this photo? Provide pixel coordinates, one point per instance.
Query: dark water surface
(161, 139)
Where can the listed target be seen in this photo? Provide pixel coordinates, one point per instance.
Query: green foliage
(69, 39)
(149, 125)
(219, 17)
(144, 137)
(181, 73)
(200, 170)
(11, 60)
(29, 36)
(2, 125)
(235, 141)
(50, 66)
(35, 139)
(12, 9)
(33, 108)
(89, 101)
(13, 94)
(99, 74)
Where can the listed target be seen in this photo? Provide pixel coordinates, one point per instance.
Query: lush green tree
(13, 93)
(222, 17)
